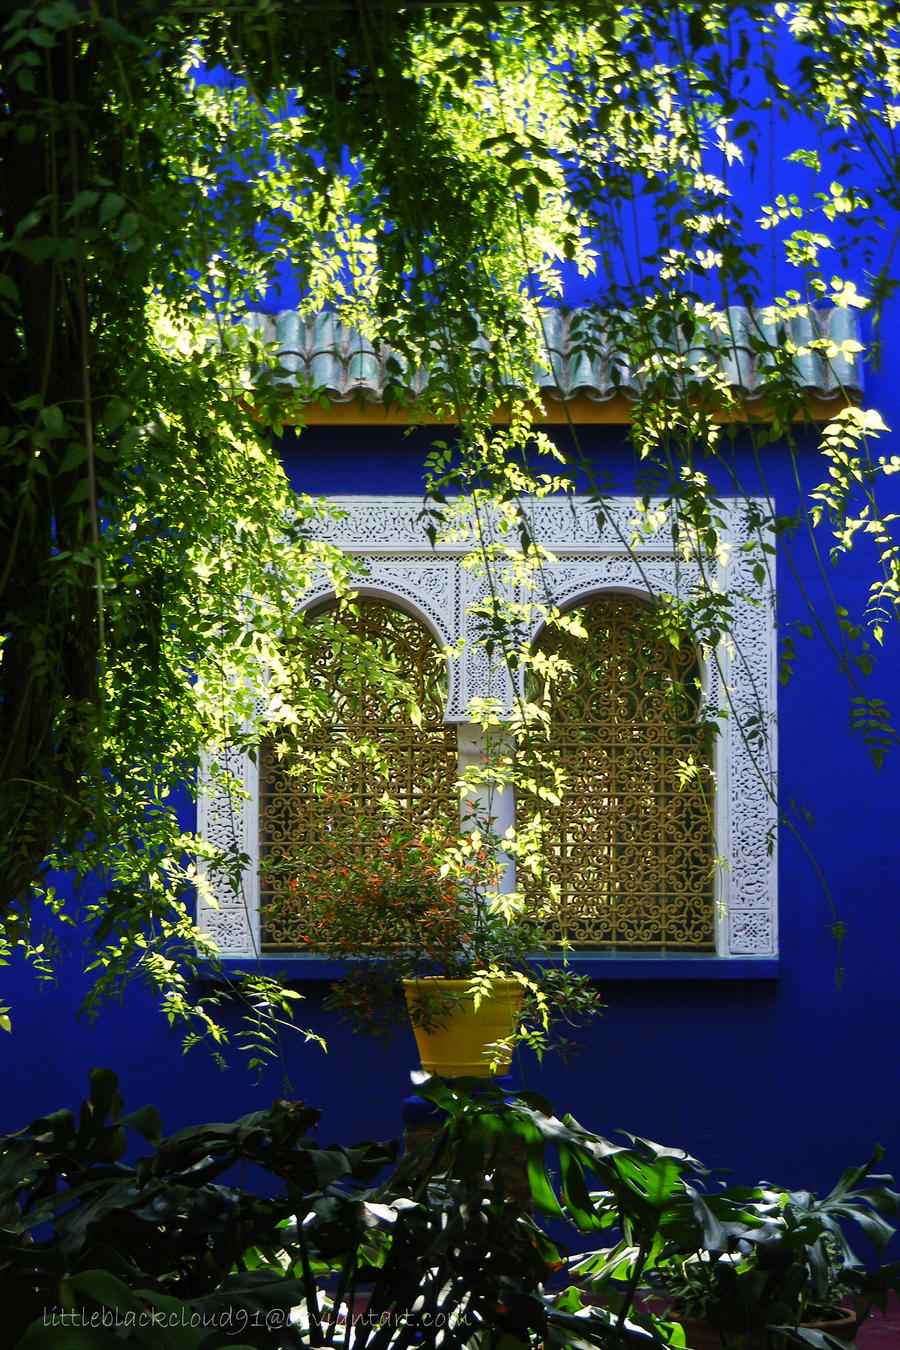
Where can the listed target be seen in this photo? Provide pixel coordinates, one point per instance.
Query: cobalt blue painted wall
(788, 1077)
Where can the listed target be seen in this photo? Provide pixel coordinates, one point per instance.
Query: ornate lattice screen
(368, 747)
(630, 846)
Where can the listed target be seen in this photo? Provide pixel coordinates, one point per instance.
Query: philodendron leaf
(45, 1335)
(106, 1289)
(149, 1321)
(713, 1234)
(16, 1162)
(146, 1121)
(877, 1229)
(475, 1143)
(819, 1340)
(387, 1213)
(575, 1190)
(542, 1192)
(105, 1099)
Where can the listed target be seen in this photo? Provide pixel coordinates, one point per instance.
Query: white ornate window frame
(388, 535)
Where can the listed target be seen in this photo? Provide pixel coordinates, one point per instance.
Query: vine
(440, 175)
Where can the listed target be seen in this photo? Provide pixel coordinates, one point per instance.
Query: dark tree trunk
(49, 604)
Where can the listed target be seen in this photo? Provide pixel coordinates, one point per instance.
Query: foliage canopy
(437, 173)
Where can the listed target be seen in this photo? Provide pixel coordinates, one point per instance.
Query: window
(416, 764)
(595, 563)
(629, 845)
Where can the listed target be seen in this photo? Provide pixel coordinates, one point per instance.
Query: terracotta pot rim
(844, 1319)
(840, 1317)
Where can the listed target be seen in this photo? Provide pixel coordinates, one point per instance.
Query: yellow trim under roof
(580, 411)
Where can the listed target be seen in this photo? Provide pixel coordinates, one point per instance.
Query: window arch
(629, 846)
(366, 747)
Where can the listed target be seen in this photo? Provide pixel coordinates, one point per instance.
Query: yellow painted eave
(578, 411)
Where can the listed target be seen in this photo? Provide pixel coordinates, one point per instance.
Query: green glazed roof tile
(586, 353)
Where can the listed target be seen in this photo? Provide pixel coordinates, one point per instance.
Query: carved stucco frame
(590, 553)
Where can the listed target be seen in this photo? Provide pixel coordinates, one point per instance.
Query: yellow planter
(461, 1048)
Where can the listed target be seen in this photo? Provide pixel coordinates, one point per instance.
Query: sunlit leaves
(436, 174)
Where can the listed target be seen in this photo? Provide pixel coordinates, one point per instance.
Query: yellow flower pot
(462, 1046)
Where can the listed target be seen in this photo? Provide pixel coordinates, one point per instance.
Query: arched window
(632, 849)
(629, 848)
(369, 745)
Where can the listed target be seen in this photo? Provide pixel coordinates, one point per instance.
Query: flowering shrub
(389, 891)
(405, 905)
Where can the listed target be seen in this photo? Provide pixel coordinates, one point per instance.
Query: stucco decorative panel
(616, 547)
(228, 819)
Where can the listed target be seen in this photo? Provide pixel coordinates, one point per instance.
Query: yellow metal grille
(368, 746)
(630, 847)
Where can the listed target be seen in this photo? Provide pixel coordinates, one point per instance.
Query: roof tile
(320, 354)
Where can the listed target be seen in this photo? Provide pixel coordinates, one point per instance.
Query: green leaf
(576, 1195)
(110, 206)
(52, 418)
(75, 456)
(117, 411)
(84, 199)
(45, 1334)
(107, 1289)
(105, 1098)
(146, 1121)
(128, 225)
(80, 492)
(531, 197)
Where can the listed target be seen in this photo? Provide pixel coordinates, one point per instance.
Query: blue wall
(788, 1076)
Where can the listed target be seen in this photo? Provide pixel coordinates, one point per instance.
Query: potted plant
(785, 1261)
(420, 911)
(753, 1268)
